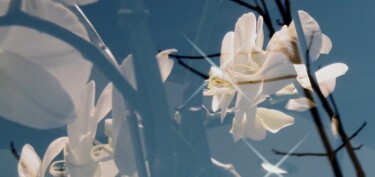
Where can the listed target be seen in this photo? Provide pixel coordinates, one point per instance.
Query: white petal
(227, 50)
(127, 69)
(79, 2)
(252, 127)
(52, 151)
(108, 169)
(224, 103)
(299, 104)
(326, 45)
(327, 75)
(313, 35)
(260, 34)
(215, 102)
(244, 38)
(30, 95)
(274, 120)
(29, 162)
(104, 104)
(165, 63)
(62, 60)
(123, 147)
(273, 169)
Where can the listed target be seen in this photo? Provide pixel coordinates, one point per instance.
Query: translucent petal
(224, 103)
(326, 45)
(165, 63)
(104, 104)
(123, 147)
(274, 120)
(52, 151)
(272, 168)
(227, 50)
(299, 104)
(244, 38)
(29, 162)
(215, 102)
(108, 168)
(79, 2)
(62, 60)
(24, 86)
(312, 33)
(252, 126)
(260, 34)
(127, 70)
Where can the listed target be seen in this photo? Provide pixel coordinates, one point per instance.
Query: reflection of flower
(252, 73)
(30, 164)
(83, 130)
(62, 62)
(326, 77)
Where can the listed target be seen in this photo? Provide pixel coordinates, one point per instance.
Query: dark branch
(301, 154)
(183, 64)
(14, 151)
(194, 57)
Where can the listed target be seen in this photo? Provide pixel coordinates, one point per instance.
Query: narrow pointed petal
(244, 38)
(165, 63)
(127, 70)
(300, 104)
(326, 45)
(29, 162)
(274, 120)
(52, 151)
(23, 89)
(260, 34)
(227, 50)
(312, 34)
(104, 105)
(123, 147)
(224, 104)
(216, 102)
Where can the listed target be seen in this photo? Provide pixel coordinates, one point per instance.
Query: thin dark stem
(247, 5)
(300, 154)
(14, 151)
(194, 57)
(183, 64)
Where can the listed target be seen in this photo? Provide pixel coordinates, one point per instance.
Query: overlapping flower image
(251, 71)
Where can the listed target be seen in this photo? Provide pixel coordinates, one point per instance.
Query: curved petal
(272, 168)
(274, 120)
(165, 63)
(300, 104)
(52, 151)
(244, 40)
(29, 162)
(313, 35)
(326, 44)
(62, 60)
(127, 70)
(108, 168)
(23, 89)
(79, 2)
(216, 102)
(260, 34)
(227, 51)
(104, 104)
(253, 127)
(224, 104)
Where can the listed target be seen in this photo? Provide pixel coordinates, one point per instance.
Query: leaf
(30, 95)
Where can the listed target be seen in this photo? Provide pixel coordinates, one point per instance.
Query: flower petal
(274, 120)
(127, 70)
(23, 89)
(326, 45)
(165, 64)
(227, 51)
(29, 162)
(272, 168)
(104, 104)
(52, 151)
(224, 104)
(313, 35)
(300, 104)
(216, 102)
(260, 34)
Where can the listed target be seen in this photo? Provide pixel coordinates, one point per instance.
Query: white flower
(82, 132)
(30, 164)
(165, 63)
(251, 72)
(29, 104)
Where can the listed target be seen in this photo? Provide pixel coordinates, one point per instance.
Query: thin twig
(197, 57)
(300, 154)
(14, 151)
(183, 64)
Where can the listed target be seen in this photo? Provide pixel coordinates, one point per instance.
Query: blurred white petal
(78, 2)
(29, 162)
(104, 104)
(299, 104)
(313, 35)
(260, 34)
(165, 63)
(224, 104)
(52, 151)
(244, 38)
(273, 169)
(326, 45)
(23, 89)
(127, 70)
(274, 120)
(227, 50)
(216, 102)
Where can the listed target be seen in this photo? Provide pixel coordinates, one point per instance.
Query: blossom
(252, 73)
(65, 69)
(326, 76)
(30, 164)
(82, 131)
